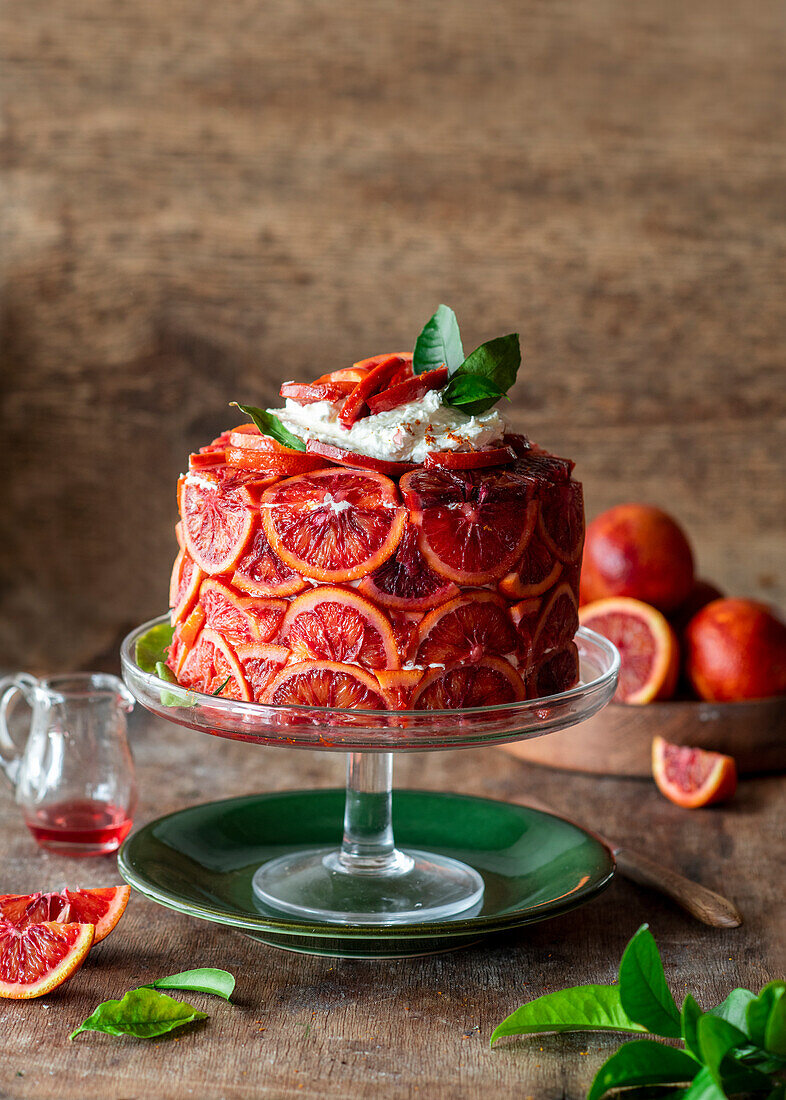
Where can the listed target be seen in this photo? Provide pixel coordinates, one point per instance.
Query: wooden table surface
(311, 1027)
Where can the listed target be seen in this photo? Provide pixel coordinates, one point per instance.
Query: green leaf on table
(583, 1008)
(643, 1062)
(644, 995)
(689, 1019)
(439, 342)
(485, 375)
(717, 1038)
(766, 1019)
(703, 1088)
(271, 426)
(734, 1009)
(206, 979)
(143, 1013)
(151, 648)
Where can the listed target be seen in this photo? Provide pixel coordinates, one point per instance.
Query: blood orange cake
(383, 541)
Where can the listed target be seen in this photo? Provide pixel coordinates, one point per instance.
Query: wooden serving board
(618, 740)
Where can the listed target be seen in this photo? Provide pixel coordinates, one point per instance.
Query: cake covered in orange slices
(383, 541)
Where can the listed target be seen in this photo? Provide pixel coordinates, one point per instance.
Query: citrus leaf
(496, 363)
(172, 698)
(703, 1088)
(689, 1018)
(717, 1038)
(152, 647)
(766, 1019)
(583, 1008)
(471, 394)
(643, 1062)
(735, 1008)
(643, 991)
(143, 1013)
(271, 426)
(439, 342)
(206, 979)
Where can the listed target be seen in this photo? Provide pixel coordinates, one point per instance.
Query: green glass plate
(200, 862)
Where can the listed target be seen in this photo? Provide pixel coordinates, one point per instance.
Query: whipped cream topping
(404, 434)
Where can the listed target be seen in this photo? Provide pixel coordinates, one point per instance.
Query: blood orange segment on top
(284, 462)
(334, 525)
(184, 586)
(336, 624)
(472, 525)
(489, 682)
(240, 620)
(406, 582)
(260, 663)
(356, 461)
(38, 958)
(102, 907)
(470, 460)
(325, 684)
(465, 629)
(408, 389)
(377, 378)
(648, 648)
(217, 524)
(261, 571)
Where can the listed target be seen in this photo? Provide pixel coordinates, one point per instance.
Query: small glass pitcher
(74, 777)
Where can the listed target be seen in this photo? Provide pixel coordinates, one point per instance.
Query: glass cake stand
(368, 881)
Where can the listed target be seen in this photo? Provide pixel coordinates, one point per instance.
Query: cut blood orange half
(537, 571)
(406, 582)
(216, 522)
(692, 777)
(240, 620)
(647, 645)
(339, 625)
(38, 958)
(472, 525)
(334, 525)
(325, 684)
(184, 586)
(260, 663)
(261, 571)
(558, 622)
(557, 672)
(102, 907)
(489, 682)
(465, 629)
(561, 521)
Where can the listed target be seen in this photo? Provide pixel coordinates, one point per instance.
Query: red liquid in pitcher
(79, 827)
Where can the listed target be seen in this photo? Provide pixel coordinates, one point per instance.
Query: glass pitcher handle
(25, 684)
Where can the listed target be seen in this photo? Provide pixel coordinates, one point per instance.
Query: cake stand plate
(201, 862)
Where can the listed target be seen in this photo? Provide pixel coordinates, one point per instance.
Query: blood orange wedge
(561, 521)
(216, 522)
(261, 571)
(377, 378)
(240, 619)
(37, 959)
(465, 629)
(336, 624)
(408, 389)
(558, 622)
(489, 682)
(102, 907)
(557, 672)
(647, 645)
(307, 393)
(472, 525)
(325, 684)
(186, 633)
(405, 630)
(406, 582)
(692, 777)
(184, 585)
(260, 663)
(537, 571)
(398, 685)
(334, 525)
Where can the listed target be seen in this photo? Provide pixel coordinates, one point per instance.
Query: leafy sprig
(738, 1046)
(271, 426)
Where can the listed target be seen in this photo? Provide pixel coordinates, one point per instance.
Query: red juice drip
(79, 826)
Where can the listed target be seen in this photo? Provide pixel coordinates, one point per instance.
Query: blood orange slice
(692, 777)
(398, 685)
(260, 663)
(356, 461)
(465, 629)
(307, 393)
(489, 682)
(561, 520)
(284, 461)
(470, 460)
(405, 630)
(377, 378)
(408, 389)
(472, 525)
(406, 582)
(557, 672)
(261, 571)
(37, 959)
(102, 907)
(557, 624)
(537, 571)
(216, 522)
(647, 645)
(211, 666)
(240, 620)
(325, 684)
(339, 625)
(184, 586)
(334, 525)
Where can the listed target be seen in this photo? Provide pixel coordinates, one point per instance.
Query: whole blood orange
(101, 907)
(38, 958)
(647, 645)
(736, 649)
(692, 777)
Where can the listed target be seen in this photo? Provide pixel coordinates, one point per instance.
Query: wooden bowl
(618, 740)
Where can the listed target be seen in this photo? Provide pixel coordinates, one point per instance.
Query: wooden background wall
(200, 199)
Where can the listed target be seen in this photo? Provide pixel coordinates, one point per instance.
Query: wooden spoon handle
(703, 904)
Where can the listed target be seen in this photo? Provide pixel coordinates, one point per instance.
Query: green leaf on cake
(439, 343)
(271, 426)
(485, 376)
